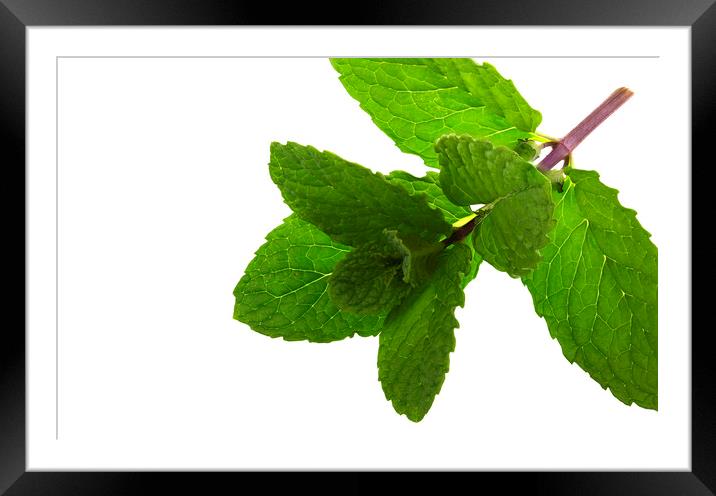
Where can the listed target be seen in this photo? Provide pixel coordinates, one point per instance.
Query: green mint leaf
(376, 276)
(429, 186)
(415, 101)
(475, 261)
(499, 94)
(418, 256)
(528, 150)
(348, 202)
(368, 281)
(417, 337)
(597, 289)
(518, 201)
(283, 292)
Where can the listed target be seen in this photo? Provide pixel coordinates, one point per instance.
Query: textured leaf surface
(418, 336)
(348, 202)
(429, 186)
(418, 260)
(283, 292)
(369, 280)
(475, 261)
(518, 197)
(498, 94)
(415, 101)
(597, 289)
(375, 277)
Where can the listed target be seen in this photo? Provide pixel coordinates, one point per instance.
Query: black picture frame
(17, 15)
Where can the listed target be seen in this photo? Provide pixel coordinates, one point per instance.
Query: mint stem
(564, 147)
(461, 232)
(561, 149)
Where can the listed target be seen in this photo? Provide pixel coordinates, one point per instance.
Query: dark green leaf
(418, 337)
(429, 186)
(517, 197)
(347, 201)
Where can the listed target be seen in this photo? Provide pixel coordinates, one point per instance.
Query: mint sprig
(390, 255)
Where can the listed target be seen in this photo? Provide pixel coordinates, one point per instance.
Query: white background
(164, 195)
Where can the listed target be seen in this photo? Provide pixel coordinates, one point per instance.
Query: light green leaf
(415, 101)
(283, 292)
(429, 186)
(518, 204)
(597, 289)
(498, 94)
(347, 201)
(418, 336)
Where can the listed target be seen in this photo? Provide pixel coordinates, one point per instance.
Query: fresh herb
(390, 255)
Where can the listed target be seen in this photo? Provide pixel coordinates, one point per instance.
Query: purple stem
(566, 145)
(461, 232)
